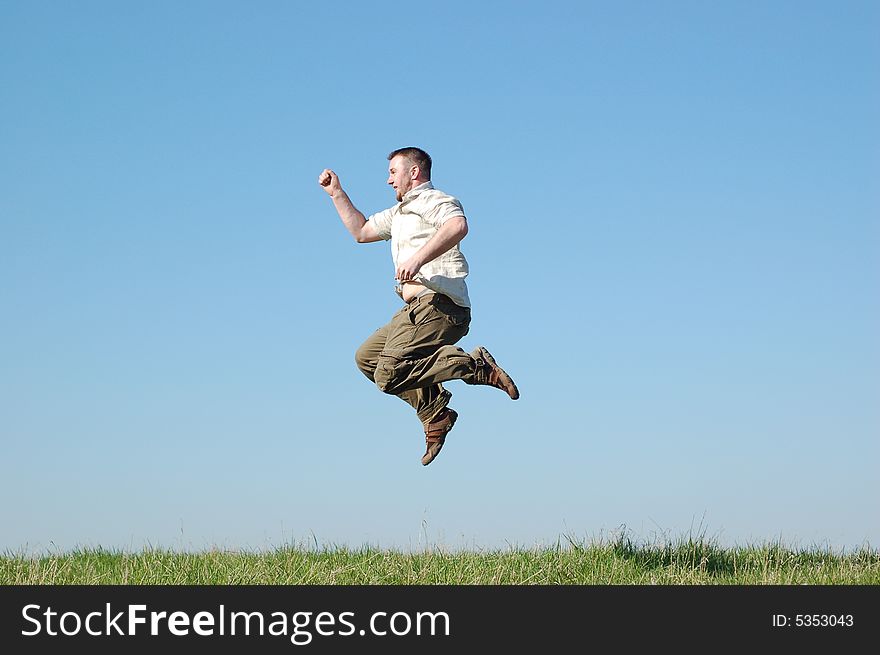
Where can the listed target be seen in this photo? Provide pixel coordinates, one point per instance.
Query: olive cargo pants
(413, 354)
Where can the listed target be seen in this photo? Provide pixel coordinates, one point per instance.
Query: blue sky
(673, 243)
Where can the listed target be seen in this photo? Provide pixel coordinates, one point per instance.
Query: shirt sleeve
(382, 222)
(445, 210)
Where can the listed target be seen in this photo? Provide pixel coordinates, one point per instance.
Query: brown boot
(488, 372)
(435, 434)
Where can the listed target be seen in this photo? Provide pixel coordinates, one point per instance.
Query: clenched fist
(329, 181)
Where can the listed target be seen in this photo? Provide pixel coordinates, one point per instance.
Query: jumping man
(413, 354)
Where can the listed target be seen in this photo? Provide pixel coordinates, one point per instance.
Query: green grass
(621, 562)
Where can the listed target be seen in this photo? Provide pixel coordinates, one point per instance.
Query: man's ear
(415, 172)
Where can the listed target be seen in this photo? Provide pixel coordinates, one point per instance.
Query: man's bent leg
(428, 401)
(418, 355)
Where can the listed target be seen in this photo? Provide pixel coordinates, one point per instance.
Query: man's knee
(364, 362)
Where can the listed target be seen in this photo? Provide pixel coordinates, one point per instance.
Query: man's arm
(449, 234)
(360, 228)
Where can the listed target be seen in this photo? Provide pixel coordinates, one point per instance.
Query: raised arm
(355, 222)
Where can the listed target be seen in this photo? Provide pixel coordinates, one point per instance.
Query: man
(413, 354)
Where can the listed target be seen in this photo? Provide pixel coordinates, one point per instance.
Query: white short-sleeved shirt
(411, 223)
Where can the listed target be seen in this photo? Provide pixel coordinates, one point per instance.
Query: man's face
(400, 175)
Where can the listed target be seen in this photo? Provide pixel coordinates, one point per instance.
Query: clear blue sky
(674, 249)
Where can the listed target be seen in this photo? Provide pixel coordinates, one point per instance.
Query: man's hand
(329, 182)
(409, 269)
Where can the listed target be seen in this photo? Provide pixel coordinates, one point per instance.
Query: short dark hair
(417, 156)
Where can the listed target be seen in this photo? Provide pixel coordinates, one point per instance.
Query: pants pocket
(455, 315)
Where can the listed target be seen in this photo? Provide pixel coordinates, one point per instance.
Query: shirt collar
(416, 190)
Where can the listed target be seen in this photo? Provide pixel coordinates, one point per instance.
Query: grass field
(622, 562)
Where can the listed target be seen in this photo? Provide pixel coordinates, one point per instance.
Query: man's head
(408, 168)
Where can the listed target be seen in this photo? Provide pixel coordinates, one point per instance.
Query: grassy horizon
(620, 562)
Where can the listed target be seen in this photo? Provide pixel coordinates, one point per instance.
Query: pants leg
(413, 355)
